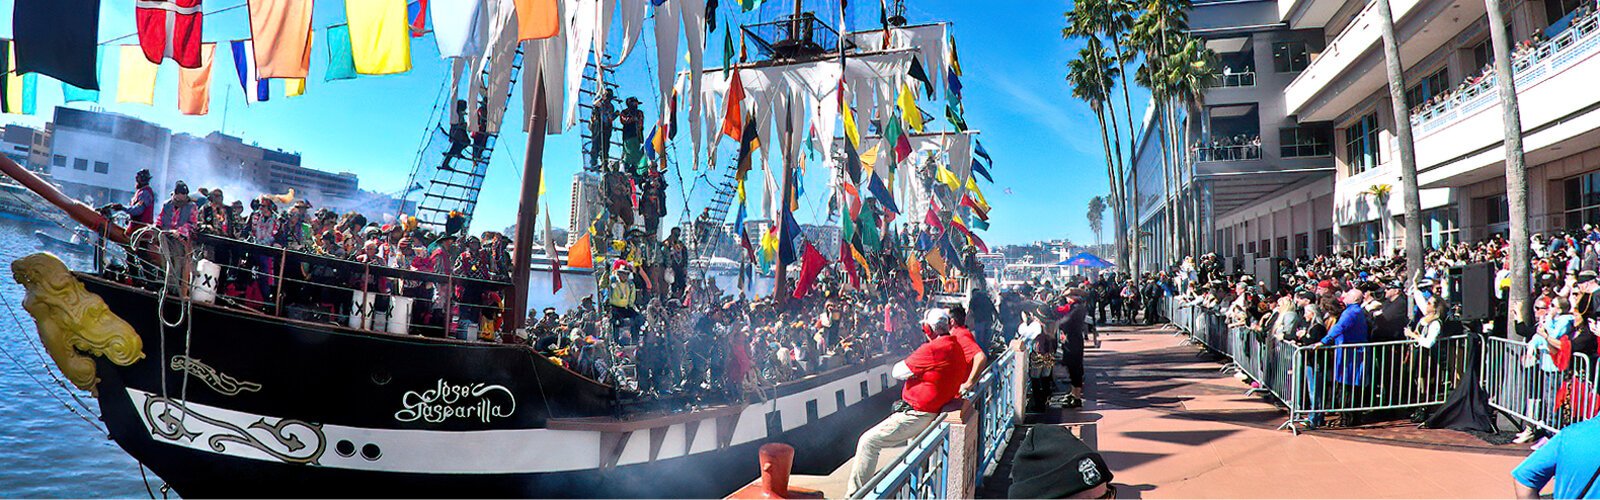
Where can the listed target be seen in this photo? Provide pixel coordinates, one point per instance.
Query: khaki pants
(897, 430)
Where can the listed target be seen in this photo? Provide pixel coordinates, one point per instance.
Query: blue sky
(1045, 144)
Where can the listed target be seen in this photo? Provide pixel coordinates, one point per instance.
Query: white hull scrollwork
(216, 380)
(287, 440)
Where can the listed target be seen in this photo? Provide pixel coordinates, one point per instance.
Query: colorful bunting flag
(882, 194)
(948, 178)
(914, 269)
(953, 115)
(418, 14)
(850, 264)
(977, 149)
(296, 87)
(537, 19)
(341, 65)
(733, 109)
(908, 108)
(136, 76)
(194, 85)
(71, 93)
(17, 92)
(851, 132)
(921, 75)
(981, 224)
(953, 81)
(255, 89)
(581, 254)
(932, 220)
(966, 201)
(379, 36)
(169, 28)
(281, 34)
(978, 169)
(811, 264)
(972, 187)
(58, 38)
(789, 235)
(955, 62)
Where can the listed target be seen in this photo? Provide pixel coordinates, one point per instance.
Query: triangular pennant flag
(981, 224)
(955, 118)
(59, 39)
(955, 63)
(581, 254)
(978, 169)
(921, 75)
(853, 203)
(811, 264)
(948, 178)
(850, 130)
(914, 269)
(551, 252)
(966, 201)
(850, 264)
(972, 187)
(791, 233)
(977, 149)
(953, 82)
(733, 113)
(727, 50)
(932, 220)
(882, 194)
(908, 108)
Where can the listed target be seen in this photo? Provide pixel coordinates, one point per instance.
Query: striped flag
(17, 90)
(244, 62)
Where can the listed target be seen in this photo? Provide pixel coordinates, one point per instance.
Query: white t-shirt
(1030, 330)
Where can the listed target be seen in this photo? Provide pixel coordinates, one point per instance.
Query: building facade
(94, 155)
(29, 147)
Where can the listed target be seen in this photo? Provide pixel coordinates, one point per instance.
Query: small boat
(79, 242)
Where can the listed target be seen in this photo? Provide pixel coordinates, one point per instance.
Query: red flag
(849, 263)
(855, 199)
(914, 268)
(967, 201)
(419, 19)
(170, 28)
(977, 242)
(932, 220)
(811, 263)
(733, 117)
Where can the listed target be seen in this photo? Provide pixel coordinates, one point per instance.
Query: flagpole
(527, 209)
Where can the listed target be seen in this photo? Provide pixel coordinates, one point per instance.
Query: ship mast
(528, 210)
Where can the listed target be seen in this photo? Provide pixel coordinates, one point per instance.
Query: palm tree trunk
(1521, 308)
(1116, 191)
(1410, 197)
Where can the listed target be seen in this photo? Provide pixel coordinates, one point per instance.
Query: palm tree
(1380, 198)
(1088, 84)
(1193, 70)
(1516, 169)
(1409, 194)
(1097, 213)
(1087, 22)
(1156, 32)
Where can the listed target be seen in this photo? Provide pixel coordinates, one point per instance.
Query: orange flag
(579, 255)
(733, 118)
(537, 19)
(194, 85)
(915, 269)
(281, 30)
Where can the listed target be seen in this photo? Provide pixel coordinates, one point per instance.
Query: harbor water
(45, 450)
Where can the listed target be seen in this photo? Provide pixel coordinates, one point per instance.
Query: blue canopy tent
(1085, 259)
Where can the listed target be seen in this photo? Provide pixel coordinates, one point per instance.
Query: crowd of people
(1228, 147)
(1477, 82)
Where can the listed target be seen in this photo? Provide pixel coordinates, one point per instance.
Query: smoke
(197, 163)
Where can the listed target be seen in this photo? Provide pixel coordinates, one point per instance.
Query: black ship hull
(238, 404)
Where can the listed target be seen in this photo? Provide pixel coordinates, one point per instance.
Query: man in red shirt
(970, 348)
(934, 374)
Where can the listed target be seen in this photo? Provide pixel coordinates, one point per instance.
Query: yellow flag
(380, 37)
(869, 158)
(908, 108)
(294, 87)
(850, 131)
(541, 182)
(977, 195)
(136, 76)
(948, 178)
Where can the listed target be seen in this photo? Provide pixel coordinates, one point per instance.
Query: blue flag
(788, 235)
(978, 168)
(982, 154)
(882, 194)
(954, 83)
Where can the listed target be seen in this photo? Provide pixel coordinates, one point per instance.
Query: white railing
(1226, 80)
(1521, 385)
(1542, 62)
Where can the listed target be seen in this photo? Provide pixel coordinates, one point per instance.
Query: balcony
(1228, 80)
(1555, 87)
(1350, 69)
(1229, 153)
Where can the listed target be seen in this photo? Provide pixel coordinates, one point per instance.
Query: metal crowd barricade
(1522, 384)
(920, 472)
(995, 402)
(1374, 376)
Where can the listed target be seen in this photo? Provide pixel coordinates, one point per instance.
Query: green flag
(869, 228)
(727, 49)
(954, 115)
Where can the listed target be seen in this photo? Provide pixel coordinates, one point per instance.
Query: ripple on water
(45, 451)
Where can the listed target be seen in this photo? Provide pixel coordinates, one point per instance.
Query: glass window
(1361, 144)
(1302, 245)
(1430, 86)
(1482, 54)
(1251, 249)
(101, 167)
(58, 160)
(80, 164)
(1303, 141)
(1440, 227)
(1325, 241)
(1582, 204)
(1283, 246)
(1291, 56)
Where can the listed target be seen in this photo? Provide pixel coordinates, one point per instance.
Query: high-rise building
(587, 201)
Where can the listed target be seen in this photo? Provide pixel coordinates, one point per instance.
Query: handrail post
(961, 469)
(1019, 381)
(283, 263)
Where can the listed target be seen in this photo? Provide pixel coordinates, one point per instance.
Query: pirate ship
(222, 400)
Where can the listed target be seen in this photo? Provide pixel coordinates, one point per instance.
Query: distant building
(243, 170)
(29, 147)
(94, 155)
(824, 238)
(586, 202)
